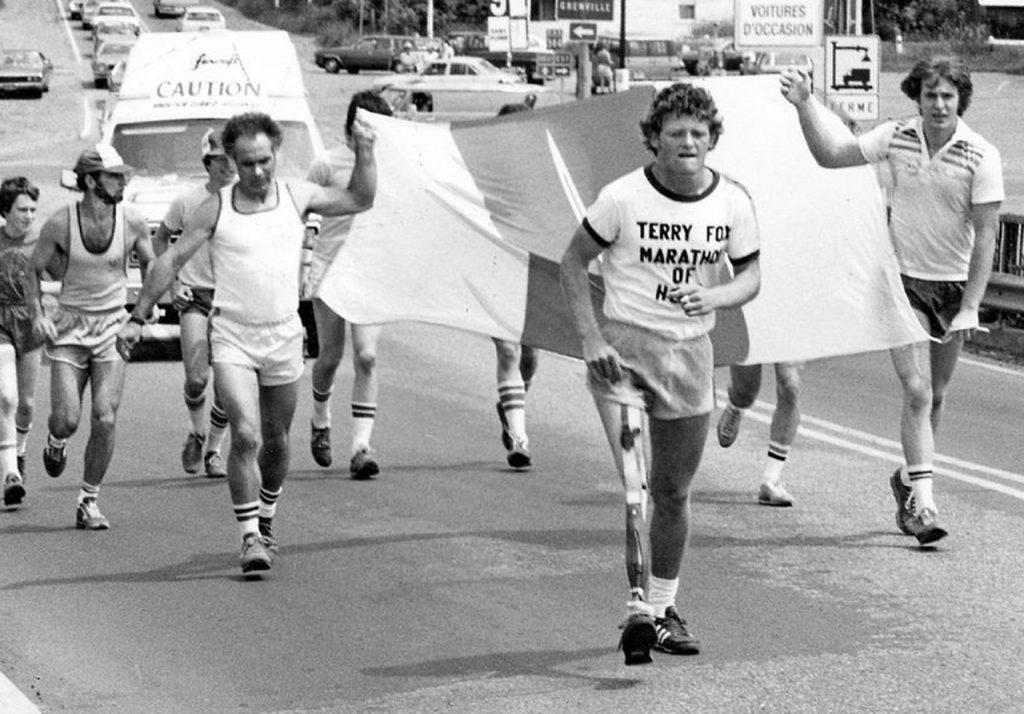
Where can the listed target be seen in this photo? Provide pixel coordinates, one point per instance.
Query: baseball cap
(211, 144)
(102, 157)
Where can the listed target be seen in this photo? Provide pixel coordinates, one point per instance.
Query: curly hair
(681, 99)
(926, 72)
(250, 124)
(11, 188)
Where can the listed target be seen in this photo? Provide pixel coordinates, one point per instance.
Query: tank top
(95, 282)
(256, 259)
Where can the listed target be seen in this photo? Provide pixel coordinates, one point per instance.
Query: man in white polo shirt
(946, 193)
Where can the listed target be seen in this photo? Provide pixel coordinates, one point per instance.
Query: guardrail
(1005, 289)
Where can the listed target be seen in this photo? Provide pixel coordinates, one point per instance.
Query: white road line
(67, 30)
(1016, 371)
(891, 451)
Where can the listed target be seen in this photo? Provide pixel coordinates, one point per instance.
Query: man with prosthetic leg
(651, 355)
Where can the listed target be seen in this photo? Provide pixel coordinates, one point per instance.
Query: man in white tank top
(255, 232)
(86, 246)
(192, 297)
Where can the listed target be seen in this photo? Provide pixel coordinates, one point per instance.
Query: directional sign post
(583, 31)
(851, 75)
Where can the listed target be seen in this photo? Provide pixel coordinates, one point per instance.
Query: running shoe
(925, 527)
(255, 557)
(729, 426)
(638, 636)
(55, 458)
(904, 496)
(192, 452)
(519, 455)
(21, 466)
(267, 534)
(14, 489)
(506, 435)
(363, 464)
(89, 518)
(673, 635)
(214, 465)
(320, 445)
(771, 494)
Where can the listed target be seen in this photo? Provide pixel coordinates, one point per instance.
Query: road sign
(584, 9)
(554, 37)
(782, 23)
(498, 34)
(852, 66)
(583, 31)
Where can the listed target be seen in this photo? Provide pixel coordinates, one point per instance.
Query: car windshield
(111, 48)
(204, 16)
(116, 10)
(171, 148)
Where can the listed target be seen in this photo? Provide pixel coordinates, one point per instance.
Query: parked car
(74, 9)
(777, 62)
(91, 7)
(371, 52)
(201, 18)
(117, 11)
(107, 55)
(25, 71)
(648, 58)
(172, 8)
(459, 71)
(702, 55)
(108, 28)
(427, 101)
(526, 61)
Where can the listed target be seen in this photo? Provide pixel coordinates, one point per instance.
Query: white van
(178, 85)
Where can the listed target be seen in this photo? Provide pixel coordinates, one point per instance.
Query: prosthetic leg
(638, 633)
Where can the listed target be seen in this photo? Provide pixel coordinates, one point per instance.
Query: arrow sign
(583, 30)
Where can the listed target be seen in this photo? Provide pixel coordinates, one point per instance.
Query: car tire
(332, 65)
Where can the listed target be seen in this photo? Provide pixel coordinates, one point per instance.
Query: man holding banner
(663, 231)
(946, 193)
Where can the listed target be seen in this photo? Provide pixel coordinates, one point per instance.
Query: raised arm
(341, 197)
(831, 143)
(600, 357)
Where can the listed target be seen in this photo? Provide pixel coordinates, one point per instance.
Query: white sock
(321, 409)
(921, 479)
(363, 416)
(661, 594)
(777, 454)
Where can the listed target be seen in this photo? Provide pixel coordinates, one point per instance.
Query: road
(453, 584)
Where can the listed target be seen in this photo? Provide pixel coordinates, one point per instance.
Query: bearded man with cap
(192, 297)
(87, 245)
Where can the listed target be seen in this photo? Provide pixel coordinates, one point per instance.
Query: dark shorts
(937, 300)
(16, 329)
(202, 302)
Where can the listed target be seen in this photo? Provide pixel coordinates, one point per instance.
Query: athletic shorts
(273, 351)
(938, 300)
(16, 329)
(670, 378)
(202, 302)
(85, 337)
